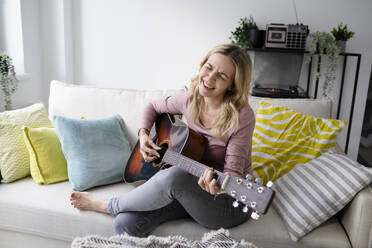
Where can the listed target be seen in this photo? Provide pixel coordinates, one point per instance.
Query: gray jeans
(172, 194)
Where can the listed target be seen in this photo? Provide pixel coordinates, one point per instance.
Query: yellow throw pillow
(14, 157)
(47, 162)
(283, 138)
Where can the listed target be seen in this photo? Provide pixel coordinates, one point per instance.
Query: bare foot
(86, 201)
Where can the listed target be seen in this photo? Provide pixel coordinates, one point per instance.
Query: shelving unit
(310, 74)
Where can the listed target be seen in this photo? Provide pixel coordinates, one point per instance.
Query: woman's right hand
(148, 148)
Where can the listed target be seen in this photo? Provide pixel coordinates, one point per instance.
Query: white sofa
(33, 215)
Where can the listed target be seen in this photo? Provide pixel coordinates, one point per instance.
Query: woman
(217, 107)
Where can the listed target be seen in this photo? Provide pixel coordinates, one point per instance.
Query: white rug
(214, 239)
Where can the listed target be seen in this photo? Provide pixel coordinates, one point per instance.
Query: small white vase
(342, 44)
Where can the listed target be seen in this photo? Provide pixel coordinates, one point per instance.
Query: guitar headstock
(252, 194)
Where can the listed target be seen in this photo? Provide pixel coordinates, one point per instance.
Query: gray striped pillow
(312, 193)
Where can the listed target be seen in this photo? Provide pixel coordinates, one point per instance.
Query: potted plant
(247, 34)
(8, 80)
(342, 34)
(324, 44)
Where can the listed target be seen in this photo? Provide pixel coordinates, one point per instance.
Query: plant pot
(256, 37)
(342, 45)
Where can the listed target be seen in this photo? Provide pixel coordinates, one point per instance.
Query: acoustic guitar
(183, 147)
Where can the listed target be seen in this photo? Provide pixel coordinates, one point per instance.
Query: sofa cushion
(45, 210)
(268, 231)
(96, 150)
(315, 107)
(14, 157)
(312, 193)
(95, 103)
(356, 218)
(47, 162)
(283, 138)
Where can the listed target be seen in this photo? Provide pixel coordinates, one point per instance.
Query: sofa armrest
(356, 219)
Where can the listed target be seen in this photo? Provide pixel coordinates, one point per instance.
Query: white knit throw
(214, 239)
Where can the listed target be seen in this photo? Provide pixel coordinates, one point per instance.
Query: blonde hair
(235, 99)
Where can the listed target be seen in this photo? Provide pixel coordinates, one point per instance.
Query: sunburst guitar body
(173, 134)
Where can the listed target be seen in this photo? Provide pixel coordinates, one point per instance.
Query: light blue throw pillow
(96, 150)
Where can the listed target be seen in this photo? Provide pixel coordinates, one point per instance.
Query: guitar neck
(250, 194)
(193, 167)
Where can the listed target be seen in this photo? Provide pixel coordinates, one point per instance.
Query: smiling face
(216, 76)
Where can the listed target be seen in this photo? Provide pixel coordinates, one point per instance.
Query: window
(11, 40)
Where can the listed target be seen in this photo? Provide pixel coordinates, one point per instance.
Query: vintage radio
(292, 36)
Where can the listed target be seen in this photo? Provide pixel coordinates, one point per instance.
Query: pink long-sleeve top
(231, 153)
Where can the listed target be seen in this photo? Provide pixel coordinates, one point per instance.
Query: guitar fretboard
(193, 167)
(248, 193)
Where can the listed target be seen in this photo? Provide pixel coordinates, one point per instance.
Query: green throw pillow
(47, 162)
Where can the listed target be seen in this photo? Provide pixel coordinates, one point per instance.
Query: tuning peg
(245, 209)
(249, 185)
(269, 184)
(260, 189)
(255, 215)
(235, 204)
(258, 181)
(248, 177)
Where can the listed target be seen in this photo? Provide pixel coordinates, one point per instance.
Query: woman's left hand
(208, 183)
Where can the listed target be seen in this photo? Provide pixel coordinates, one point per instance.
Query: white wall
(159, 44)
